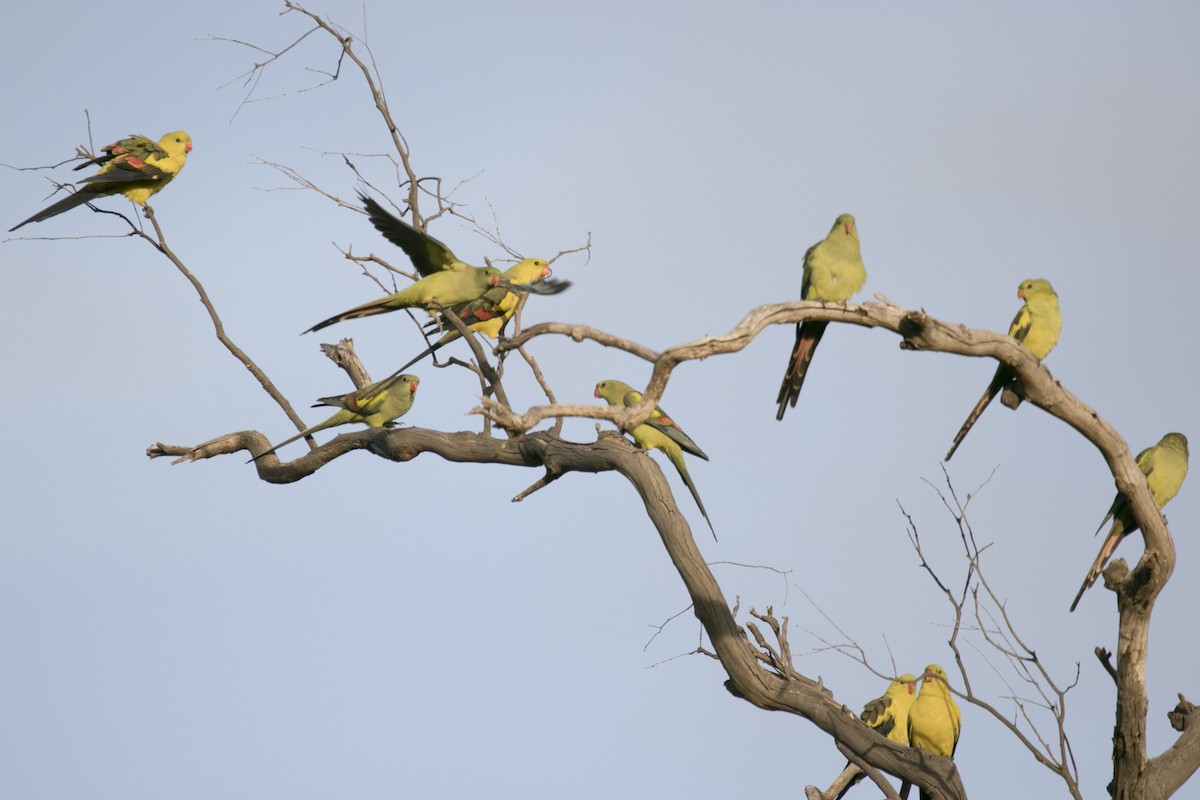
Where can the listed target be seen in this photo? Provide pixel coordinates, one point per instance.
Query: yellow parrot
(135, 167)
(888, 715)
(376, 405)
(934, 719)
(1036, 326)
(1165, 466)
(833, 272)
(659, 431)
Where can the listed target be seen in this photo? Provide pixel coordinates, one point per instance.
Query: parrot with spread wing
(430, 255)
(833, 272)
(659, 431)
(934, 721)
(136, 167)
(887, 715)
(376, 405)
(1036, 326)
(1165, 466)
(427, 254)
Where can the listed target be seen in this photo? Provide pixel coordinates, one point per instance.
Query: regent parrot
(659, 431)
(887, 715)
(833, 272)
(135, 167)
(376, 405)
(1165, 466)
(934, 719)
(1036, 326)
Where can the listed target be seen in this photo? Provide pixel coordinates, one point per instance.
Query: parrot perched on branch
(833, 272)
(934, 719)
(1165, 466)
(135, 167)
(659, 431)
(1036, 326)
(887, 715)
(376, 405)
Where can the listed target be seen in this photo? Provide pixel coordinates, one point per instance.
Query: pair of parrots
(834, 272)
(929, 720)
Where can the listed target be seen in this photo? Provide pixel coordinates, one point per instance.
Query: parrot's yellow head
(527, 271)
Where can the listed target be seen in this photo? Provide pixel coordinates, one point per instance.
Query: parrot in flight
(659, 431)
(1036, 326)
(934, 719)
(833, 272)
(888, 716)
(136, 167)
(376, 405)
(1165, 466)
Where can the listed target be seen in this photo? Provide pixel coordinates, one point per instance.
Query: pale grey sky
(403, 630)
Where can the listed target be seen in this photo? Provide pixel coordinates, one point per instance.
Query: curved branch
(160, 244)
(918, 331)
(1136, 590)
(1169, 771)
(748, 680)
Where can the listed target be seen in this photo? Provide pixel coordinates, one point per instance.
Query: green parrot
(489, 313)
(833, 272)
(659, 431)
(376, 405)
(934, 721)
(439, 290)
(887, 715)
(135, 167)
(1036, 326)
(1165, 466)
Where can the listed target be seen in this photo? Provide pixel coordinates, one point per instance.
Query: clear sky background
(403, 630)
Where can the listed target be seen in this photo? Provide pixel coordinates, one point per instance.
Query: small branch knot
(1181, 714)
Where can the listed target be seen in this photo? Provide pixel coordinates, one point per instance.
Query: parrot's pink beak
(596, 392)
(412, 386)
(546, 272)
(846, 225)
(495, 281)
(1020, 294)
(912, 688)
(187, 148)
